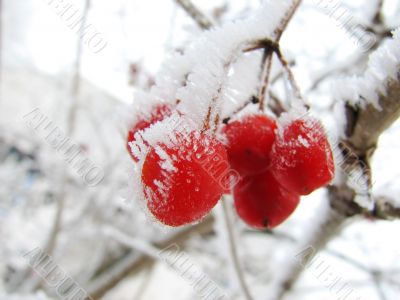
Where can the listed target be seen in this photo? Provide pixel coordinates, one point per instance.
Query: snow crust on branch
(199, 76)
(383, 64)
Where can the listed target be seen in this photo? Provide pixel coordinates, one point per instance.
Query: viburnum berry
(158, 113)
(182, 182)
(302, 159)
(249, 143)
(262, 202)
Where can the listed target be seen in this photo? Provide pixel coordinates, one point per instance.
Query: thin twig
(24, 279)
(253, 100)
(132, 262)
(273, 46)
(322, 233)
(233, 252)
(51, 244)
(139, 245)
(275, 105)
(199, 17)
(70, 129)
(145, 282)
(348, 260)
(378, 17)
(265, 78)
(291, 76)
(286, 19)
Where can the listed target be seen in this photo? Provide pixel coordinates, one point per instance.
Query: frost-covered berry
(302, 159)
(262, 202)
(158, 113)
(183, 181)
(249, 143)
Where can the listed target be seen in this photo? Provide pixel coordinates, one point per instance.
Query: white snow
(383, 64)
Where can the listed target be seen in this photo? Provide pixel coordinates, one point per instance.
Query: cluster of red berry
(182, 181)
(276, 165)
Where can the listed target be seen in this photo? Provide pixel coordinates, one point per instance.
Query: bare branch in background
(141, 290)
(286, 19)
(198, 16)
(378, 17)
(71, 123)
(132, 262)
(35, 281)
(233, 250)
(323, 231)
(1, 46)
(386, 209)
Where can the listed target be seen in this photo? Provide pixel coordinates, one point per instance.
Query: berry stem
(265, 75)
(292, 79)
(233, 252)
(286, 19)
(253, 100)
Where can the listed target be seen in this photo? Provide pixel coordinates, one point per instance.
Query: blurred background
(63, 92)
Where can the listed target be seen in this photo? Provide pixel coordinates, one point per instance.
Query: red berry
(302, 159)
(158, 114)
(249, 143)
(262, 202)
(183, 182)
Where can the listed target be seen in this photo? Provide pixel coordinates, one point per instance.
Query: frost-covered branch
(325, 228)
(139, 245)
(365, 125)
(233, 251)
(111, 274)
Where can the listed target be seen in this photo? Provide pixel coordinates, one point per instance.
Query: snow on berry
(301, 157)
(199, 77)
(182, 182)
(249, 143)
(261, 202)
(158, 113)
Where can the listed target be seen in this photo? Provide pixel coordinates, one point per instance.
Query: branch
(200, 18)
(141, 290)
(133, 262)
(364, 126)
(266, 71)
(233, 252)
(26, 279)
(378, 17)
(273, 46)
(286, 19)
(386, 209)
(321, 234)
